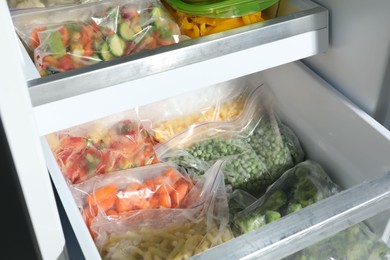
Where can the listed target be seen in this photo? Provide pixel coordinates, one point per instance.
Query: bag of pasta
(223, 102)
(169, 233)
(256, 146)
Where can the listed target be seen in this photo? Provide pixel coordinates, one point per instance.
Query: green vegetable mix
(297, 188)
(252, 161)
(356, 242)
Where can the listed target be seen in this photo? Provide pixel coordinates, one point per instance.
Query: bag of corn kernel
(220, 103)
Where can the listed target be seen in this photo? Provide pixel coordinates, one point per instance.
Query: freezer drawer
(351, 146)
(299, 30)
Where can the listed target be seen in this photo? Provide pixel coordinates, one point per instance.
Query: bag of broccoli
(299, 187)
(356, 242)
(257, 147)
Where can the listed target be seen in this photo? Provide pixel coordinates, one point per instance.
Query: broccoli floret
(380, 251)
(293, 207)
(275, 201)
(250, 223)
(305, 192)
(253, 218)
(271, 216)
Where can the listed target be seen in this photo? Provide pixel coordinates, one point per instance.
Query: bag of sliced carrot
(156, 205)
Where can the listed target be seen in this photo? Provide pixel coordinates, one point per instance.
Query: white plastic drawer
(351, 146)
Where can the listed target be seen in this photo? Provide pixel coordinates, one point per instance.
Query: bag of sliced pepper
(256, 146)
(102, 146)
(201, 222)
(70, 37)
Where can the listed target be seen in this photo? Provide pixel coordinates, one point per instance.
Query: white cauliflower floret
(27, 4)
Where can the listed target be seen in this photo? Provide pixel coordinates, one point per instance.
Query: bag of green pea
(256, 146)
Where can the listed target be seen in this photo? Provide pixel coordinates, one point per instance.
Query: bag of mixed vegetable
(356, 242)
(256, 146)
(74, 36)
(223, 102)
(299, 187)
(196, 224)
(106, 145)
(22, 4)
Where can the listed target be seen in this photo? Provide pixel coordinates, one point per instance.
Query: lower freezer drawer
(352, 148)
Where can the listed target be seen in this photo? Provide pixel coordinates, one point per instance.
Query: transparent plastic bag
(102, 146)
(299, 187)
(22, 4)
(238, 201)
(151, 187)
(169, 233)
(74, 36)
(255, 151)
(356, 242)
(223, 102)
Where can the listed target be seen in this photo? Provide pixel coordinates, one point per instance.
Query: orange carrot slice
(102, 193)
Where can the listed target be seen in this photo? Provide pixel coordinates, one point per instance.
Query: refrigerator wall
(358, 60)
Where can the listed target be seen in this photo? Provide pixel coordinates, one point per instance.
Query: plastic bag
(70, 37)
(356, 242)
(238, 201)
(21, 4)
(102, 146)
(298, 187)
(175, 233)
(209, 17)
(255, 149)
(120, 193)
(223, 102)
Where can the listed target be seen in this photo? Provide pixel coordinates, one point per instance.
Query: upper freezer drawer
(351, 146)
(299, 30)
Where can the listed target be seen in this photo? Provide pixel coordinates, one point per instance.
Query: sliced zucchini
(94, 59)
(125, 31)
(105, 52)
(117, 45)
(97, 45)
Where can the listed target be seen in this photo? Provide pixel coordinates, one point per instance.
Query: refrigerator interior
(323, 120)
(322, 117)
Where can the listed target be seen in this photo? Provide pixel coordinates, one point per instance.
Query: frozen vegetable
(239, 200)
(169, 233)
(161, 186)
(207, 17)
(256, 146)
(356, 242)
(252, 162)
(94, 32)
(299, 187)
(197, 26)
(102, 149)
